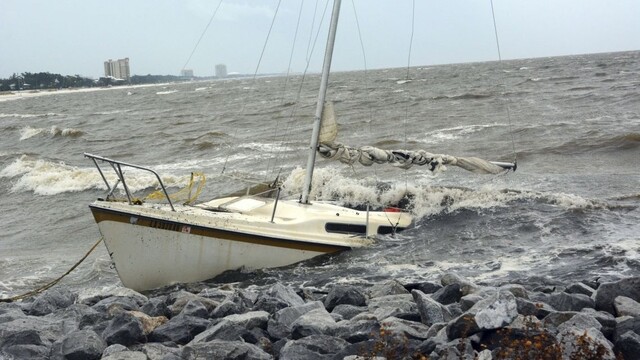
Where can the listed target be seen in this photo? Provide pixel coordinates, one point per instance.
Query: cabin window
(345, 228)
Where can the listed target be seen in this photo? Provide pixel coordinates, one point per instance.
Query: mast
(328, 53)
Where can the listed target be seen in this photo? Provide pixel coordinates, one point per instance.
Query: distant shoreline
(25, 94)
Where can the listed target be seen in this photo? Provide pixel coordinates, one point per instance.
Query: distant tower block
(118, 69)
(188, 73)
(221, 70)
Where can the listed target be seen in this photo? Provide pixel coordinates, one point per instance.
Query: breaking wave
(28, 132)
(26, 116)
(43, 177)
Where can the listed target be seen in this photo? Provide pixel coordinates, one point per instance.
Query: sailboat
(157, 244)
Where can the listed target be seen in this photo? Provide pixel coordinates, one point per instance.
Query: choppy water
(570, 212)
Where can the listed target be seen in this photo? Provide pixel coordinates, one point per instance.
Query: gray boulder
(115, 304)
(571, 340)
(580, 288)
(233, 327)
(531, 308)
(516, 289)
(10, 312)
(112, 349)
(314, 322)
(156, 306)
(224, 330)
(628, 345)
(390, 287)
(431, 311)
(159, 351)
(349, 295)
(608, 292)
(280, 325)
(356, 331)
(392, 305)
(625, 306)
(426, 287)
(405, 329)
(180, 329)
(180, 299)
(466, 286)
(250, 320)
(126, 355)
(496, 311)
(218, 349)
(79, 345)
(569, 302)
(51, 300)
(195, 308)
(448, 295)
(347, 312)
(624, 324)
(29, 334)
(605, 319)
(124, 329)
(312, 347)
(285, 294)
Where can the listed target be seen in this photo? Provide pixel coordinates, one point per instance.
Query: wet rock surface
(453, 319)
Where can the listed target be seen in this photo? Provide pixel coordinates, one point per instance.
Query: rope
(495, 30)
(52, 283)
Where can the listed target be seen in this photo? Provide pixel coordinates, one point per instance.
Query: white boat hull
(152, 246)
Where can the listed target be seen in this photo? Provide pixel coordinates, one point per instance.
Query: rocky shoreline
(452, 319)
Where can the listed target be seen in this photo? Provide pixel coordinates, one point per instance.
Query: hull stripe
(101, 214)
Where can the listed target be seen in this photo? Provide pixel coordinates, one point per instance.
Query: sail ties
(369, 155)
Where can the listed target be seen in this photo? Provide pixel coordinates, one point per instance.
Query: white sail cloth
(368, 155)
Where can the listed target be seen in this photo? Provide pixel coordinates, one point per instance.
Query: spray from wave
(28, 132)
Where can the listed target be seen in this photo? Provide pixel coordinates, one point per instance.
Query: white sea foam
(28, 132)
(455, 132)
(166, 92)
(51, 178)
(26, 116)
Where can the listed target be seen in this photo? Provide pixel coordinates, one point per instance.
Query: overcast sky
(77, 36)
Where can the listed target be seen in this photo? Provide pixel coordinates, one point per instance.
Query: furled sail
(329, 126)
(368, 155)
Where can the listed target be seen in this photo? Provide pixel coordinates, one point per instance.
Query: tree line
(46, 80)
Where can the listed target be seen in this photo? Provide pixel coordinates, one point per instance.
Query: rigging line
(495, 30)
(284, 90)
(406, 114)
(202, 35)
(413, 22)
(304, 75)
(255, 73)
(366, 75)
(313, 22)
(266, 41)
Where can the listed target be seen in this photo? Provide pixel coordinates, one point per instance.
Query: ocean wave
(26, 116)
(166, 92)
(28, 132)
(427, 200)
(45, 177)
(465, 96)
(625, 142)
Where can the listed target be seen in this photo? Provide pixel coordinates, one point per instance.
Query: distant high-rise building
(118, 69)
(221, 70)
(186, 73)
